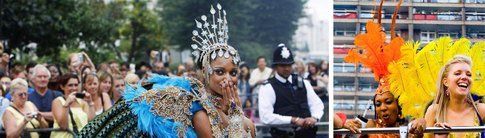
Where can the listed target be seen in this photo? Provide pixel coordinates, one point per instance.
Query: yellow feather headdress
(414, 76)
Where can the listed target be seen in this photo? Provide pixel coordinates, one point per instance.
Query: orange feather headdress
(373, 52)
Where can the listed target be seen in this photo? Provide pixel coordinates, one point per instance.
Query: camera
(33, 114)
(80, 95)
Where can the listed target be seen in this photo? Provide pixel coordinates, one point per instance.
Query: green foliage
(255, 26)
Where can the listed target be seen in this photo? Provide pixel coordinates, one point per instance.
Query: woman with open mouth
(453, 105)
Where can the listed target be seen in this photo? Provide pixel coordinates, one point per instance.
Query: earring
(447, 92)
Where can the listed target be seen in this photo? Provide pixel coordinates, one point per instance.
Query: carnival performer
(164, 106)
(377, 55)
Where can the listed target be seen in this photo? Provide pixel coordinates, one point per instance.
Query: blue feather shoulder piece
(166, 109)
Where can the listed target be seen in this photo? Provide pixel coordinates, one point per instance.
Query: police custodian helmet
(282, 55)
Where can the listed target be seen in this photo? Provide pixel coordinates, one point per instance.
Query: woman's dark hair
(66, 77)
(324, 70)
(242, 76)
(317, 69)
(57, 67)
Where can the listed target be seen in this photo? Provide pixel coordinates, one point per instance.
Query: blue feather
(157, 126)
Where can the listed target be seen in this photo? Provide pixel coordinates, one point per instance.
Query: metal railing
(43, 130)
(262, 130)
(403, 130)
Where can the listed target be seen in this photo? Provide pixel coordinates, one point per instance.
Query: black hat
(282, 56)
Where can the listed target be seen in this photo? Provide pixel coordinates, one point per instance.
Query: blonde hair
(132, 79)
(18, 83)
(441, 99)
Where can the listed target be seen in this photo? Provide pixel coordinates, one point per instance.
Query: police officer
(287, 98)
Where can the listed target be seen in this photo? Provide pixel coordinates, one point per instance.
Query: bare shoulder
(430, 115)
(431, 110)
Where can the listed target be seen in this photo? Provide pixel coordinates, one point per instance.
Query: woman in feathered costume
(184, 107)
(373, 52)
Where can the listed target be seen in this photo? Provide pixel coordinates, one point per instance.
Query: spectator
(316, 80)
(18, 73)
(29, 68)
(154, 57)
(5, 81)
(132, 79)
(104, 67)
(181, 70)
(159, 68)
(4, 61)
(124, 69)
(21, 113)
(119, 88)
(324, 73)
(55, 71)
(244, 88)
(77, 61)
(71, 111)
(42, 96)
(4, 102)
(102, 101)
(300, 69)
(166, 57)
(258, 76)
(113, 65)
(106, 83)
(288, 98)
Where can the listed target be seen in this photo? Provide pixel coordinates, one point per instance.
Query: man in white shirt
(258, 76)
(287, 98)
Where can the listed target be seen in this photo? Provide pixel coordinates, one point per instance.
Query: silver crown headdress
(212, 38)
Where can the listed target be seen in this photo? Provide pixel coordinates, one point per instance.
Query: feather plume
(376, 54)
(459, 47)
(477, 54)
(394, 17)
(441, 46)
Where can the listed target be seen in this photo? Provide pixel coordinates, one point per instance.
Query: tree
(53, 24)
(255, 26)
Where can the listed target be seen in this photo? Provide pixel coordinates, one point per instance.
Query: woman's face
(458, 79)
(244, 71)
(92, 86)
(54, 72)
(386, 108)
(70, 87)
(312, 69)
(222, 69)
(20, 95)
(324, 65)
(105, 85)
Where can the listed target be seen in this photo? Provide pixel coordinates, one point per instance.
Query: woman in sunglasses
(22, 114)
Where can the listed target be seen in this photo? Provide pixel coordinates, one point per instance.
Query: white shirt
(267, 99)
(257, 75)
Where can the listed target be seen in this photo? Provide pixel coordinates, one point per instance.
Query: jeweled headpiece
(211, 37)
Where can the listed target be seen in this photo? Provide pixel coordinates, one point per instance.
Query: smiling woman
(453, 105)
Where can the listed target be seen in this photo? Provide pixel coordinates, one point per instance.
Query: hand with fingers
(353, 126)
(417, 126)
(443, 125)
(309, 122)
